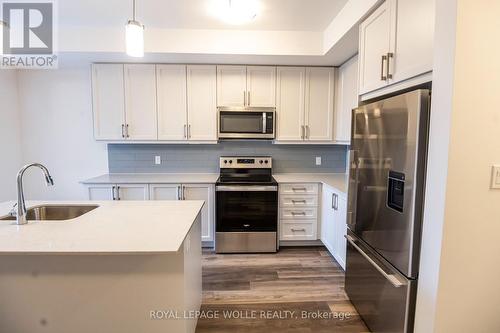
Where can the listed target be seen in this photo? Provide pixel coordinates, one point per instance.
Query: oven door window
(247, 211)
(241, 122)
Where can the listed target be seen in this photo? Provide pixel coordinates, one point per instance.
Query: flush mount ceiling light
(134, 36)
(234, 11)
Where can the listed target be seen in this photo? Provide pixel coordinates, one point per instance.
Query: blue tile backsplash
(139, 158)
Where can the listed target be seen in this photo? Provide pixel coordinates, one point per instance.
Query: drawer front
(299, 213)
(288, 201)
(299, 188)
(298, 231)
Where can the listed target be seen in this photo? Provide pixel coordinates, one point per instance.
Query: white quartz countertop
(115, 227)
(154, 178)
(338, 181)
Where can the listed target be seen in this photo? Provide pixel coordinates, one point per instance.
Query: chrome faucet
(21, 205)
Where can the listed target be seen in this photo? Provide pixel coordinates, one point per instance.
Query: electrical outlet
(157, 160)
(318, 160)
(495, 177)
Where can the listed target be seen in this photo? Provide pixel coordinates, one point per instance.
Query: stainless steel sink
(54, 213)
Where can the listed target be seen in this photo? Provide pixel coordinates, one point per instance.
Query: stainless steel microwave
(246, 123)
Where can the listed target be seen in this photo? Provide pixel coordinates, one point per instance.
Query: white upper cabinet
(108, 101)
(201, 102)
(172, 102)
(242, 86)
(261, 86)
(231, 85)
(346, 99)
(305, 104)
(290, 103)
(374, 45)
(414, 40)
(140, 102)
(319, 99)
(396, 43)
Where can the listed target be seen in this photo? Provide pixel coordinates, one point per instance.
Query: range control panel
(253, 162)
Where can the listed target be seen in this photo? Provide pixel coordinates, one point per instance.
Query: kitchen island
(122, 267)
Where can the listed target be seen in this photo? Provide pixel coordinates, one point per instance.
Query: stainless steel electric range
(246, 206)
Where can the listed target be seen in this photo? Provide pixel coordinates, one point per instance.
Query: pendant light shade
(134, 37)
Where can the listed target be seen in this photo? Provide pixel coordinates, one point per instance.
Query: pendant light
(134, 36)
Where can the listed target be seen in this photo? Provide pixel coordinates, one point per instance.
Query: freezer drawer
(383, 297)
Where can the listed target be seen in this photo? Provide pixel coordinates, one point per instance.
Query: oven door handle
(243, 188)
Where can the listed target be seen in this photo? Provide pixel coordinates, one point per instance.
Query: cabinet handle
(189, 131)
(113, 192)
(296, 201)
(333, 200)
(298, 213)
(382, 76)
(299, 189)
(308, 132)
(389, 56)
(178, 193)
(126, 131)
(183, 192)
(244, 97)
(123, 130)
(301, 229)
(302, 132)
(185, 131)
(118, 193)
(248, 98)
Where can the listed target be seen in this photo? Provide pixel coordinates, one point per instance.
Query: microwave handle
(264, 122)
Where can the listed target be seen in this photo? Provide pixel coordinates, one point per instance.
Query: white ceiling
(282, 15)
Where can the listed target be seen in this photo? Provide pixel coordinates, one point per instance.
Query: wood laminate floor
(297, 290)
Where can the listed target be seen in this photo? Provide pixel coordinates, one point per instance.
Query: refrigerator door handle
(390, 277)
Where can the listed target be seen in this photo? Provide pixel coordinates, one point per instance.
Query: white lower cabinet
(298, 212)
(118, 192)
(203, 192)
(334, 223)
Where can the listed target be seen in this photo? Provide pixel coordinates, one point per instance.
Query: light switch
(318, 160)
(495, 177)
(157, 160)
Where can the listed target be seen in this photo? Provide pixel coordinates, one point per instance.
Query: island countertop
(115, 227)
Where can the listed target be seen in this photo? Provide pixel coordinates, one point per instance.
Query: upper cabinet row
(178, 103)
(396, 43)
(154, 102)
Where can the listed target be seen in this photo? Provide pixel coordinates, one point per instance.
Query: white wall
(10, 135)
(56, 115)
(458, 282)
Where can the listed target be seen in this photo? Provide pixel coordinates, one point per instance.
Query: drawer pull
(299, 213)
(297, 201)
(301, 229)
(299, 189)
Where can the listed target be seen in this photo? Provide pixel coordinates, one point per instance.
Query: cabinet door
(172, 103)
(319, 103)
(346, 99)
(132, 192)
(290, 103)
(164, 191)
(203, 192)
(231, 85)
(202, 109)
(341, 228)
(140, 102)
(100, 192)
(327, 219)
(374, 43)
(414, 39)
(108, 101)
(261, 86)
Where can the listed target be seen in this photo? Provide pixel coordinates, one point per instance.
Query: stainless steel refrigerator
(386, 194)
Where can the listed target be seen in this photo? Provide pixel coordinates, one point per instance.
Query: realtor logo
(28, 34)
